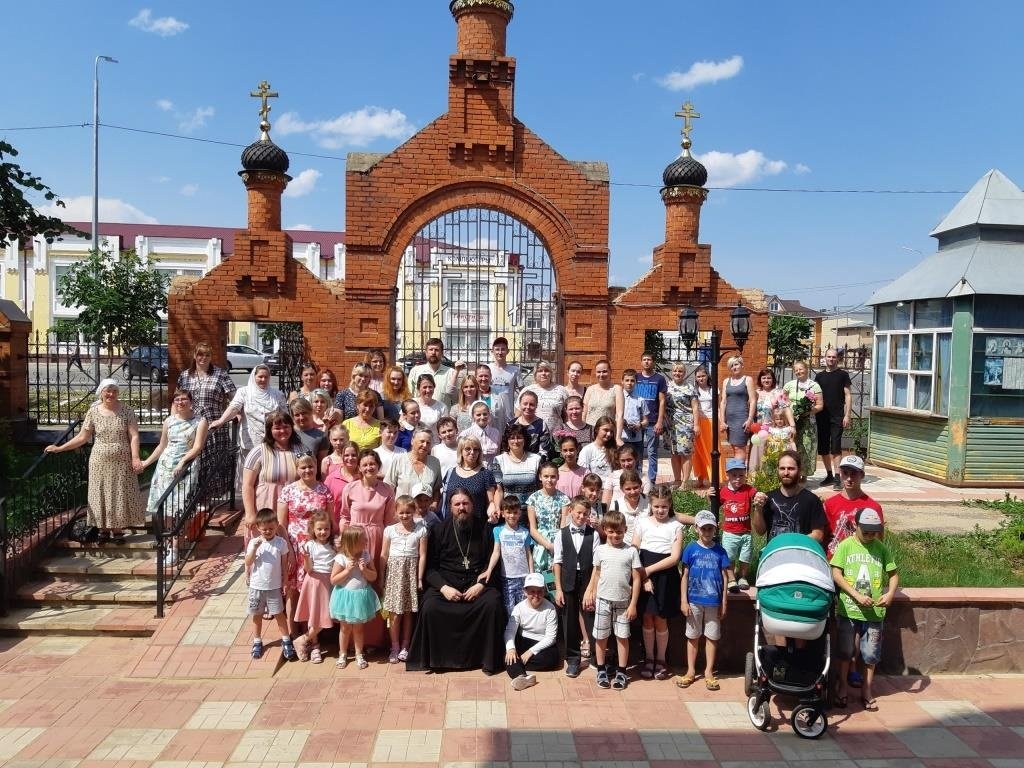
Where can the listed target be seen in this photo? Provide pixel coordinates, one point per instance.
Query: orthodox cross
(263, 93)
(688, 116)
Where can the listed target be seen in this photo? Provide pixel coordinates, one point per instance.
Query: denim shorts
(738, 544)
(870, 633)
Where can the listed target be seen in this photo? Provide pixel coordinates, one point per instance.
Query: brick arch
(517, 201)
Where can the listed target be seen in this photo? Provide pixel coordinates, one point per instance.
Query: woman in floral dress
(681, 403)
(181, 440)
(805, 400)
(769, 397)
(115, 502)
(295, 506)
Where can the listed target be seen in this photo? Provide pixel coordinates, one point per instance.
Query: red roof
(128, 233)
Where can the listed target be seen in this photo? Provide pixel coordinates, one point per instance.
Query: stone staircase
(102, 589)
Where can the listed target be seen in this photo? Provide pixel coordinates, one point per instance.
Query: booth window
(912, 355)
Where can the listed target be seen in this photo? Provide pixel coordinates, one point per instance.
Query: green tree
(786, 336)
(119, 299)
(18, 217)
(654, 342)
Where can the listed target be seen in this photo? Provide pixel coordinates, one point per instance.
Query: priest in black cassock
(461, 620)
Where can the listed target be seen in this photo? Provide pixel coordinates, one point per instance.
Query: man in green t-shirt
(860, 564)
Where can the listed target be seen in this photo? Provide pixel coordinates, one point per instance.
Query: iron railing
(39, 505)
(61, 382)
(184, 509)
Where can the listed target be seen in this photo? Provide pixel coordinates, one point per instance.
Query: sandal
(361, 661)
(686, 681)
(711, 683)
(647, 670)
(303, 651)
(342, 661)
(661, 672)
(315, 656)
(870, 705)
(403, 655)
(584, 649)
(257, 649)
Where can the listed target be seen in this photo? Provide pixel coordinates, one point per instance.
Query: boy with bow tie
(573, 565)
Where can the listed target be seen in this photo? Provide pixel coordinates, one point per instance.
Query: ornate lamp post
(739, 325)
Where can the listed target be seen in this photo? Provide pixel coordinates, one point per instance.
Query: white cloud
(302, 184)
(194, 120)
(353, 129)
(165, 105)
(302, 227)
(111, 210)
(702, 72)
(165, 26)
(189, 190)
(801, 169)
(726, 169)
(160, 179)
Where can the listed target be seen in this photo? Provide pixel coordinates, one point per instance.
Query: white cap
(422, 489)
(534, 580)
(705, 517)
(853, 462)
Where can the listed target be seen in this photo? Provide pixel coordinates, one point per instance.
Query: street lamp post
(739, 325)
(95, 245)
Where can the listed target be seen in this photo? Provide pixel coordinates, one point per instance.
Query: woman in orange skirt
(702, 441)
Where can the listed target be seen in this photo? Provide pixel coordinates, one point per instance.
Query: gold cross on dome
(688, 115)
(263, 92)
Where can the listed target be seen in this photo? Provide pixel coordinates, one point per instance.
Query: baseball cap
(705, 517)
(422, 489)
(853, 462)
(534, 580)
(869, 520)
(734, 463)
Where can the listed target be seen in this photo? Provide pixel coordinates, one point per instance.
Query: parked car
(244, 357)
(273, 360)
(147, 362)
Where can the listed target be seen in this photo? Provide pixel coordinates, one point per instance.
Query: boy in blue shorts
(860, 565)
(513, 546)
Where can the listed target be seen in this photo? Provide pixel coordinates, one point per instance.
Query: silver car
(244, 357)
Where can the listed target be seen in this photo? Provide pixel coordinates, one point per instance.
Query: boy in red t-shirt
(736, 499)
(841, 509)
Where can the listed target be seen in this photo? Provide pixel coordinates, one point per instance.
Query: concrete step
(138, 545)
(62, 591)
(79, 620)
(96, 567)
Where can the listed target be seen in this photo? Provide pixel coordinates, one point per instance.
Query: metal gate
(291, 356)
(471, 275)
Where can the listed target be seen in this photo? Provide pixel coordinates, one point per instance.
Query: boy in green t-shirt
(858, 566)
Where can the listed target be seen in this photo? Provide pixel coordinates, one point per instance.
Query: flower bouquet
(803, 403)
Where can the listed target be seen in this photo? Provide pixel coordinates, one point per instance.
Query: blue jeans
(651, 452)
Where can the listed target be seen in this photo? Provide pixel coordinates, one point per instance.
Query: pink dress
(372, 508)
(302, 503)
(335, 484)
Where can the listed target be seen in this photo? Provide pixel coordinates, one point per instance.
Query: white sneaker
(171, 556)
(524, 681)
(743, 583)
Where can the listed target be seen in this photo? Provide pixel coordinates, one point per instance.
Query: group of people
(452, 519)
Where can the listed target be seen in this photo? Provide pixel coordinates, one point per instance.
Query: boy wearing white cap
(841, 510)
(706, 567)
(860, 565)
(423, 493)
(530, 635)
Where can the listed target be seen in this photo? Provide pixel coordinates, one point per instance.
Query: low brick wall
(927, 631)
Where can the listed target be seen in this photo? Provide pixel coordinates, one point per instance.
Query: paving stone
(794, 748)
(543, 746)
(675, 745)
(224, 715)
(956, 712)
(133, 744)
(719, 714)
(407, 746)
(269, 746)
(475, 714)
(933, 742)
(13, 740)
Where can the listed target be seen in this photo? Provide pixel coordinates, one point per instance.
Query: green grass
(926, 559)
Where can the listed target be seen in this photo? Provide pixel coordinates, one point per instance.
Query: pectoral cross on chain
(465, 563)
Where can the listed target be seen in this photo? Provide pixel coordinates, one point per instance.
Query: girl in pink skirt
(314, 603)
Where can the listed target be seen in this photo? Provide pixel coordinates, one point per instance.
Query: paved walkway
(190, 697)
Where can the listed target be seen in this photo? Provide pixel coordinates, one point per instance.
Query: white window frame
(912, 374)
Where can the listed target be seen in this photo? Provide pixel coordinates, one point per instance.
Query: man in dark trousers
(573, 565)
(835, 416)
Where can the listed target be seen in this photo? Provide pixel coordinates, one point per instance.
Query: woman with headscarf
(115, 502)
(253, 401)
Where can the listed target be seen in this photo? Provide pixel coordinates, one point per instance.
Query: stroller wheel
(748, 674)
(808, 722)
(757, 711)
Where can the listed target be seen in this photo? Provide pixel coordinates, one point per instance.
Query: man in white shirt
(445, 378)
(506, 380)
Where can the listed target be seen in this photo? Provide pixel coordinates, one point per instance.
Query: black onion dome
(685, 171)
(265, 155)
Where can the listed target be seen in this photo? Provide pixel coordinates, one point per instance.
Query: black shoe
(837, 484)
(829, 480)
(572, 669)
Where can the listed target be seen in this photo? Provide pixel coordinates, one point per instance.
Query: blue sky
(912, 95)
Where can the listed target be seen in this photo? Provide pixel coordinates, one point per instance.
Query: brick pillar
(265, 188)
(682, 215)
(482, 27)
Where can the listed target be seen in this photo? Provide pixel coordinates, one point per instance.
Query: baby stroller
(795, 594)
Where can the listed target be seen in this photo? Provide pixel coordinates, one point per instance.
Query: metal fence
(184, 510)
(62, 383)
(37, 508)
